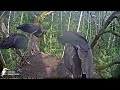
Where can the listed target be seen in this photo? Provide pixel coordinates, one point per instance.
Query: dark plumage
(72, 61)
(17, 41)
(78, 57)
(74, 38)
(31, 28)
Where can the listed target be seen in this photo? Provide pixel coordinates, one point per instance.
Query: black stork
(17, 41)
(33, 29)
(78, 57)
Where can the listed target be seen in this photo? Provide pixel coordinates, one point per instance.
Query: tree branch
(108, 65)
(112, 32)
(33, 14)
(115, 33)
(40, 18)
(115, 14)
(2, 14)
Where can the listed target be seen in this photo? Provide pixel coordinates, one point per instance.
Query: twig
(2, 14)
(69, 18)
(33, 14)
(112, 32)
(115, 14)
(108, 65)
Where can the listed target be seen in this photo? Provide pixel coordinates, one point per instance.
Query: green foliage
(116, 73)
(106, 50)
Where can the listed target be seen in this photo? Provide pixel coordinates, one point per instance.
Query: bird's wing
(82, 55)
(72, 61)
(68, 57)
(82, 42)
(7, 42)
(90, 64)
(86, 62)
(28, 27)
(20, 41)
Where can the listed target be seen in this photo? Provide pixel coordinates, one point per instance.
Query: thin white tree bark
(51, 30)
(83, 23)
(80, 18)
(99, 19)
(50, 12)
(69, 19)
(33, 14)
(9, 21)
(14, 14)
(61, 19)
(109, 41)
(113, 41)
(21, 19)
(88, 26)
(2, 14)
(3, 60)
(8, 30)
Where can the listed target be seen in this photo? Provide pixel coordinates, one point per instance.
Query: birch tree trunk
(21, 19)
(81, 14)
(50, 32)
(2, 14)
(69, 21)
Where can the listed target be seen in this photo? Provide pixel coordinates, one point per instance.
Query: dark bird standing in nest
(72, 61)
(78, 57)
(17, 41)
(31, 28)
(74, 38)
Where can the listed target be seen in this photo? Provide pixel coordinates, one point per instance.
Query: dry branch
(108, 65)
(40, 18)
(112, 32)
(115, 14)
